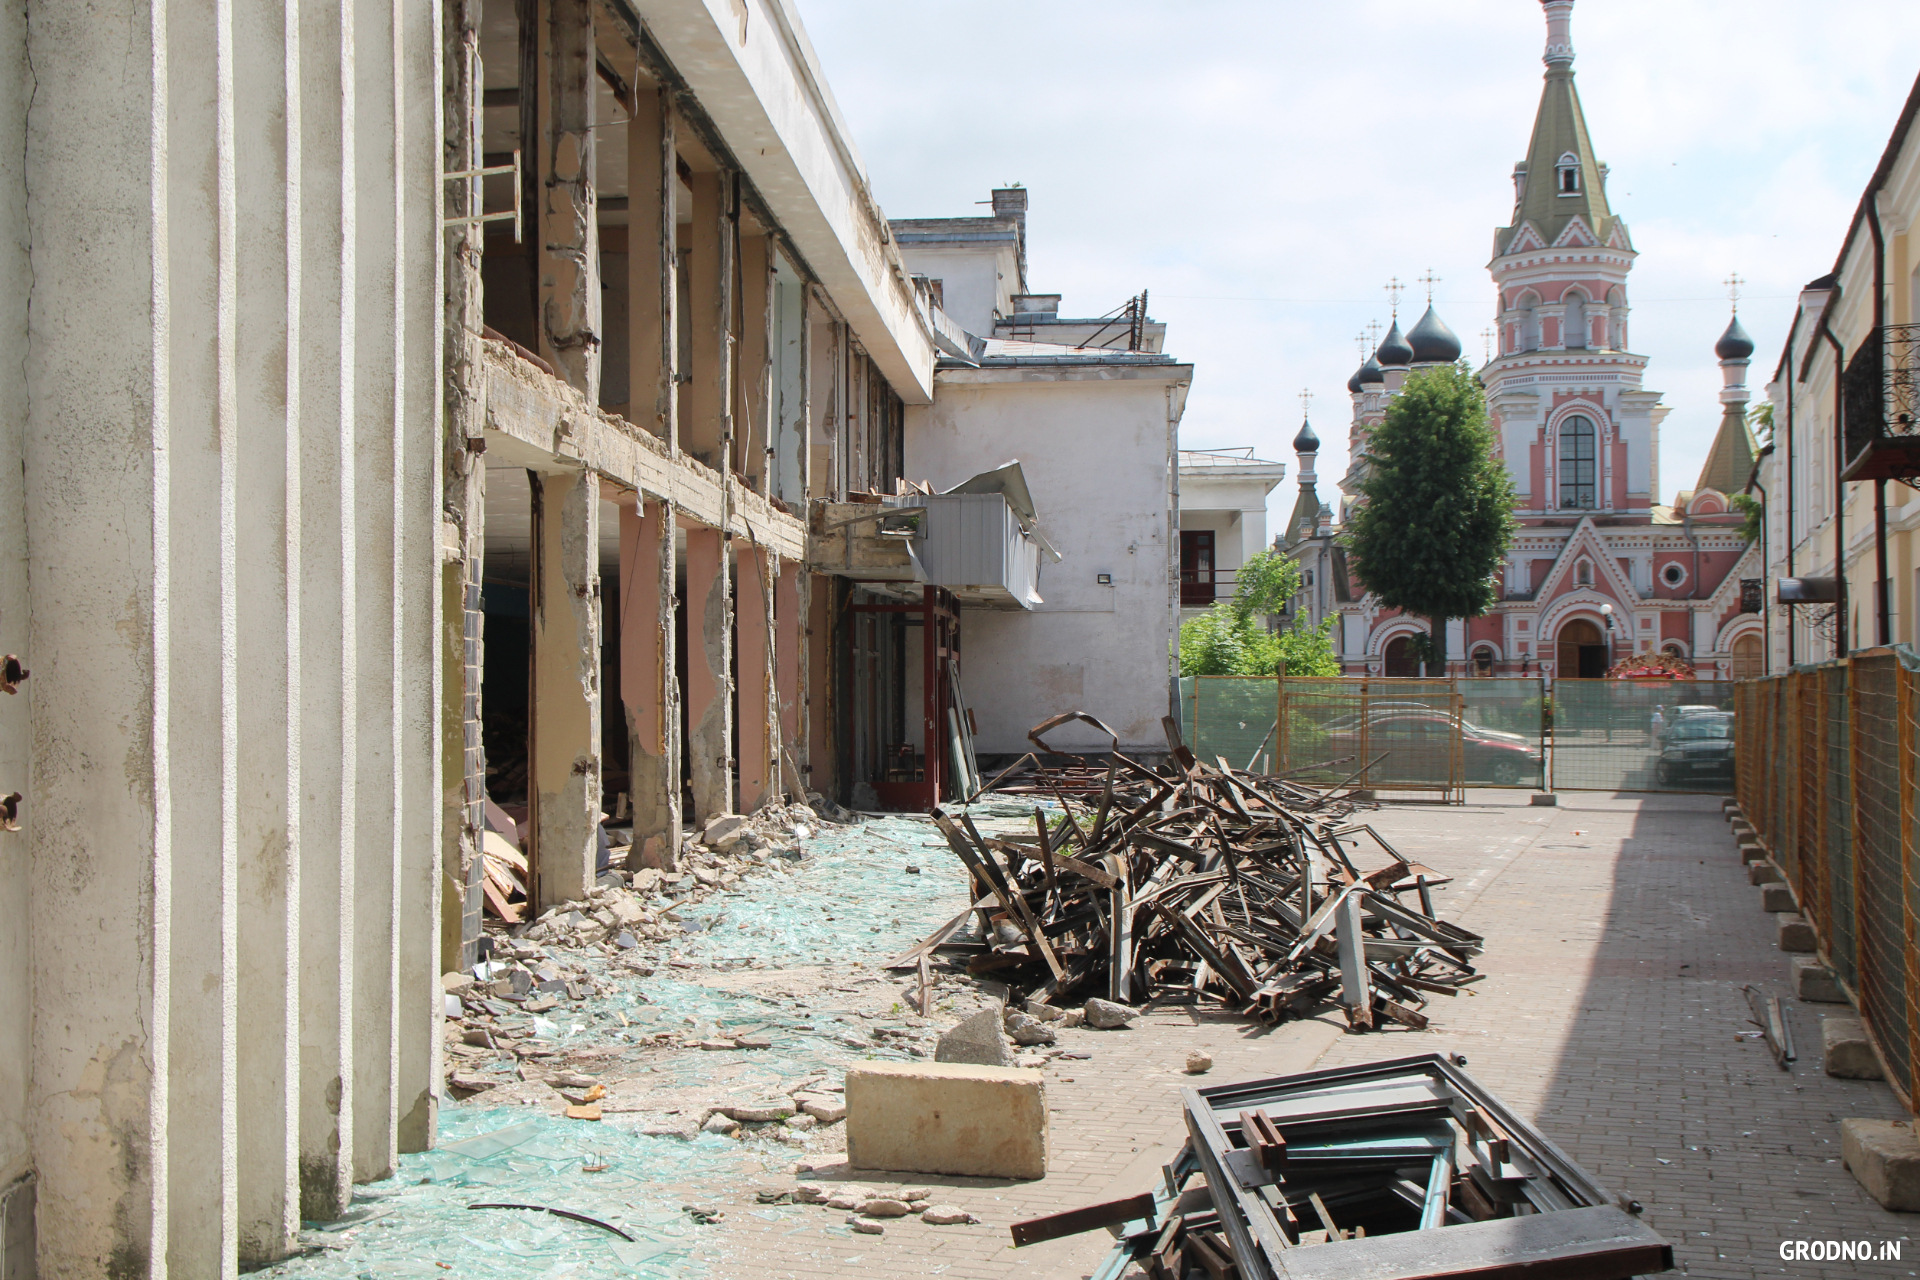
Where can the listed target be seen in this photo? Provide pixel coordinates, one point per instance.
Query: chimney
(1010, 203)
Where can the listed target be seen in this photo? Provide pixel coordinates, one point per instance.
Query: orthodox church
(1599, 569)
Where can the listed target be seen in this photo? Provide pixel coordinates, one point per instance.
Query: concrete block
(1751, 854)
(952, 1118)
(1796, 931)
(1741, 827)
(1544, 800)
(1814, 982)
(1763, 873)
(978, 1040)
(1884, 1157)
(1777, 897)
(1846, 1051)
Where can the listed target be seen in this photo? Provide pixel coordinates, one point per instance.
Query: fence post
(1904, 745)
(1861, 951)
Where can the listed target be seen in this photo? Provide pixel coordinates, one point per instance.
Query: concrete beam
(569, 248)
(649, 688)
(709, 607)
(653, 267)
(759, 728)
(533, 418)
(564, 756)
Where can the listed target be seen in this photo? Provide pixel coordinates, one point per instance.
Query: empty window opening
(1569, 174)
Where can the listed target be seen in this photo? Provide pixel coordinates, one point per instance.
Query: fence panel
(1234, 717)
(1643, 735)
(1828, 763)
(1396, 734)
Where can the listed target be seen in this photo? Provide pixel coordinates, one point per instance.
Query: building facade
(1600, 569)
(1844, 395)
(1223, 521)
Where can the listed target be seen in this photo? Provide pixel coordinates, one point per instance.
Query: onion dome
(1306, 441)
(1734, 344)
(1355, 382)
(1394, 351)
(1432, 341)
(1371, 374)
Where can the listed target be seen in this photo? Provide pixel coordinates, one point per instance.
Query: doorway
(1582, 651)
(1196, 568)
(1401, 658)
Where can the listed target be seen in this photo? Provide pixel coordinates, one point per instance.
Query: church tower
(1577, 431)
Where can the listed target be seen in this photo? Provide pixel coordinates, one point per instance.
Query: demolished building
(421, 407)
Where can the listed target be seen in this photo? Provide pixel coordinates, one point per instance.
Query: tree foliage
(1438, 514)
(1753, 512)
(1231, 639)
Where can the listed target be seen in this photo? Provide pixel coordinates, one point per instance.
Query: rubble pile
(1346, 1164)
(1200, 882)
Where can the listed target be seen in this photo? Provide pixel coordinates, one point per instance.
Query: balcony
(1200, 588)
(1880, 392)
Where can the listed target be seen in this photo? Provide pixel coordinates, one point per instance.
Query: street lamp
(1606, 612)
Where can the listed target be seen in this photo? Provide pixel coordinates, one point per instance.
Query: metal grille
(1828, 765)
(1643, 735)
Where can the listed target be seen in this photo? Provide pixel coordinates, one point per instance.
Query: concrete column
(649, 691)
(819, 682)
(753, 396)
(270, 642)
(420, 290)
(707, 401)
(564, 782)
(653, 264)
(759, 730)
(709, 677)
(16, 916)
(379, 433)
(789, 674)
(198, 616)
(569, 257)
(329, 565)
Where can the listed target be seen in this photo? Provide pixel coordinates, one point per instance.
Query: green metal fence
(1397, 734)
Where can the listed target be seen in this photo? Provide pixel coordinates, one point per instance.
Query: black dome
(1394, 351)
(1734, 344)
(1306, 441)
(1432, 341)
(1354, 383)
(1371, 374)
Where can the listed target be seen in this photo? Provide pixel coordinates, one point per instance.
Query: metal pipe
(1884, 630)
(1840, 636)
(1790, 491)
(1766, 615)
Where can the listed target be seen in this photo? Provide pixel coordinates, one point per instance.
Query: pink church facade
(1600, 569)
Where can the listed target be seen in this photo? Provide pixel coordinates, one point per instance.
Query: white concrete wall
(976, 281)
(232, 450)
(1097, 451)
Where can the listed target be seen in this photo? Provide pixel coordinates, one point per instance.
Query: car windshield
(1702, 727)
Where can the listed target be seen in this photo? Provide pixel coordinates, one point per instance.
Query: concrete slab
(1885, 1157)
(1776, 898)
(1846, 1051)
(952, 1118)
(1814, 982)
(1796, 933)
(1763, 873)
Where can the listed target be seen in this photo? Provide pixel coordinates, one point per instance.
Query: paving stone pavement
(1620, 932)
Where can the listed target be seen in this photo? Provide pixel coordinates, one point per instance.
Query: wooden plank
(1598, 1243)
(1090, 1218)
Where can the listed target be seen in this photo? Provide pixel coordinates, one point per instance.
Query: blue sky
(1264, 166)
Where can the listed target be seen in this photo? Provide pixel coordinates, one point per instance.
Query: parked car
(1418, 744)
(1686, 711)
(1698, 748)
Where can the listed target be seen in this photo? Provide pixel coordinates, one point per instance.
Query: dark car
(1418, 745)
(1698, 748)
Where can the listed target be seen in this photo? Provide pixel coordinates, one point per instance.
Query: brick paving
(1620, 933)
(1621, 930)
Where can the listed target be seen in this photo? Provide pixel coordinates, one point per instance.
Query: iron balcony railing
(1880, 394)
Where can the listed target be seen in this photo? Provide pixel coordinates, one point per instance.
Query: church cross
(1429, 280)
(1486, 339)
(1394, 289)
(1306, 400)
(1733, 283)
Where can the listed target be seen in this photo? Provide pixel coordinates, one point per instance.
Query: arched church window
(1577, 456)
(1576, 321)
(1529, 323)
(1568, 171)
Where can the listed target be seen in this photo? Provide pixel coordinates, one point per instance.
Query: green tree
(1231, 639)
(1438, 513)
(1752, 512)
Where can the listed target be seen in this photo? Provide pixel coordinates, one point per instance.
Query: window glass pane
(1577, 455)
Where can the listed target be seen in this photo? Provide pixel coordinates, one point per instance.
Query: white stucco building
(1223, 520)
(1091, 410)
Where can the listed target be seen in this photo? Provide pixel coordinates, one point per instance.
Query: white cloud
(1263, 166)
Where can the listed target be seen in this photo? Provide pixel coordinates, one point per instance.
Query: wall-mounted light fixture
(1104, 579)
